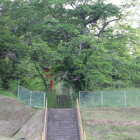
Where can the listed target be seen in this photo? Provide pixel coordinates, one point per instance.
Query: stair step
(62, 127)
(62, 135)
(62, 118)
(66, 131)
(63, 138)
(62, 124)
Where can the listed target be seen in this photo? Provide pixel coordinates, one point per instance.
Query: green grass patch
(8, 93)
(63, 101)
(51, 99)
(111, 123)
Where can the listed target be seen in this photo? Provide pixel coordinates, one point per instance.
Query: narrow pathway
(62, 124)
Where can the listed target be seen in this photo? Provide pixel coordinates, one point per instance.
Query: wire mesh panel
(109, 98)
(24, 95)
(37, 99)
(133, 98)
(32, 98)
(90, 99)
(113, 99)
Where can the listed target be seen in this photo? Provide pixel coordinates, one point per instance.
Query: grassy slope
(111, 123)
(33, 129)
(8, 93)
(17, 117)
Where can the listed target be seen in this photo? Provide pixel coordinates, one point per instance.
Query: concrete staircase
(62, 124)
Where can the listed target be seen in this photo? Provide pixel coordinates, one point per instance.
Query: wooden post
(44, 133)
(83, 135)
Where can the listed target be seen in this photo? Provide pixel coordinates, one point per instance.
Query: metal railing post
(18, 92)
(125, 98)
(44, 99)
(102, 99)
(30, 97)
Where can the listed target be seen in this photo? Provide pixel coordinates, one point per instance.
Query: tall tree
(84, 41)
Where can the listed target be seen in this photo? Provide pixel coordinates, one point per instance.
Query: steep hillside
(18, 120)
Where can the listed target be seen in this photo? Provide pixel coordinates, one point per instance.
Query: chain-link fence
(32, 98)
(109, 98)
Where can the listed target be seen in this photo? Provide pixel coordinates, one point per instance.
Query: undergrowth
(8, 93)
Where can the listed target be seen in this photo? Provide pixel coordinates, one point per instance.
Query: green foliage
(73, 38)
(8, 93)
(51, 98)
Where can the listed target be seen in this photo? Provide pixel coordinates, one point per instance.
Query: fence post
(18, 92)
(71, 96)
(44, 100)
(102, 99)
(125, 98)
(30, 97)
(79, 99)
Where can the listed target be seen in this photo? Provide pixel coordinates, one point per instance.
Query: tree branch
(104, 26)
(43, 79)
(93, 20)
